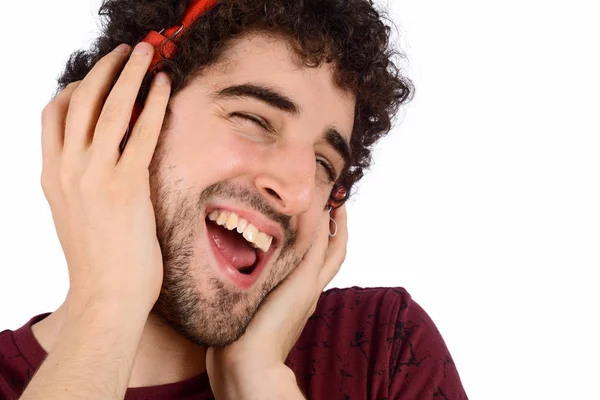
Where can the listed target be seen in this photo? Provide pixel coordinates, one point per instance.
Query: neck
(163, 355)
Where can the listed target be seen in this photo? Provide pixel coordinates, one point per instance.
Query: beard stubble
(215, 315)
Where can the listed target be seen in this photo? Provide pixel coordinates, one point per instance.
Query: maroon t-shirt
(373, 343)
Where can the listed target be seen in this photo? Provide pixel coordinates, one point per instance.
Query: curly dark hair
(351, 34)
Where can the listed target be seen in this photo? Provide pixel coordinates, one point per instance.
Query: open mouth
(240, 248)
(234, 223)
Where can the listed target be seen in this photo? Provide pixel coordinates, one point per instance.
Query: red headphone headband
(195, 9)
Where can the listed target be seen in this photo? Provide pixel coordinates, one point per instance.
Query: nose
(287, 180)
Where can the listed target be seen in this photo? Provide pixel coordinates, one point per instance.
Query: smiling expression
(259, 135)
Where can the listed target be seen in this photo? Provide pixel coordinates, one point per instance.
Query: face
(254, 145)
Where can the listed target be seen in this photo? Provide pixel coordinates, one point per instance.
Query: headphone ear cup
(334, 204)
(338, 196)
(339, 193)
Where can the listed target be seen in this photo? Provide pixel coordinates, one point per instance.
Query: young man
(201, 231)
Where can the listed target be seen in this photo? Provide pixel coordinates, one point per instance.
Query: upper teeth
(231, 220)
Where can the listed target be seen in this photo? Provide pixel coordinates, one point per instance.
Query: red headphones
(338, 196)
(165, 48)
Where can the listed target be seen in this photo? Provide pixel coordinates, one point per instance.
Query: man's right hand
(100, 199)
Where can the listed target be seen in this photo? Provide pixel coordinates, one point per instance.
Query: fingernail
(161, 78)
(142, 49)
(122, 48)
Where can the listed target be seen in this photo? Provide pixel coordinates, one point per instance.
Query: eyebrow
(337, 141)
(278, 100)
(262, 93)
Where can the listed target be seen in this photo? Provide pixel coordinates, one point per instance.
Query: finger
(54, 117)
(300, 284)
(144, 136)
(323, 259)
(86, 102)
(336, 252)
(116, 113)
(316, 254)
(307, 272)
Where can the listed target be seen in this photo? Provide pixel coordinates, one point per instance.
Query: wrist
(104, 314)
(105, 306)
(273, 382)
(93, 355)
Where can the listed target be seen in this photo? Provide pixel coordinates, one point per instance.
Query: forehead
(270, 60)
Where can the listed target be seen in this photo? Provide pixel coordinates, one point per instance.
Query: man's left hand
(254, 366)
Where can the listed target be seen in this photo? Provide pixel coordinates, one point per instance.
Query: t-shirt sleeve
(421, 366)
(14, 370)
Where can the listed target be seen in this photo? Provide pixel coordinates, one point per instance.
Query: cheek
(308, 225)
(209, 155)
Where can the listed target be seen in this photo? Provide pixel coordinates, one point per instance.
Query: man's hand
(253, 367)
(100, 200)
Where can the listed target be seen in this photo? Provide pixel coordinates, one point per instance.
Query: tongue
(232, 245)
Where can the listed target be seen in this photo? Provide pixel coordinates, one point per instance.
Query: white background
(483, 202)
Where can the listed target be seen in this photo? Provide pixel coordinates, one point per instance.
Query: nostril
(273, 193)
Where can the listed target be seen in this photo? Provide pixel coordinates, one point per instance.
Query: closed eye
(264, 124)
(257, 120)
(328, 168)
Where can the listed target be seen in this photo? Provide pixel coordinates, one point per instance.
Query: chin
(205, 307)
